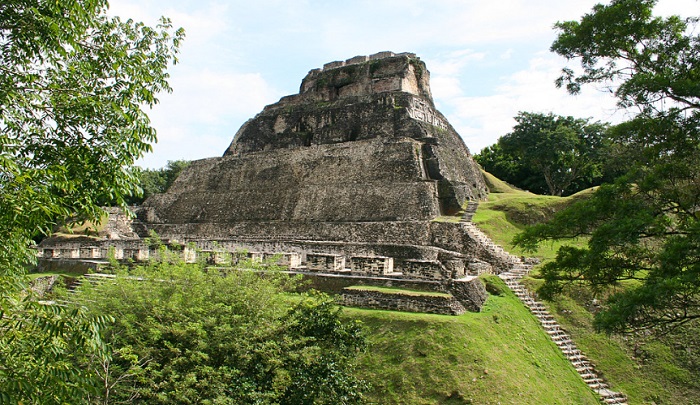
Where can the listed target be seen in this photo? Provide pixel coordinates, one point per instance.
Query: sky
(488, 60)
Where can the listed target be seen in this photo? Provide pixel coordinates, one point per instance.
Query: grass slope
(500, 355)
(647, 370)
(508, 210)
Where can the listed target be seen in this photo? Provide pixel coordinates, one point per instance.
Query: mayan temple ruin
(356, 179)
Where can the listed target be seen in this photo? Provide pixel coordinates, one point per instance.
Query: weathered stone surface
(361, 142)
(470, 292)
(431, 304)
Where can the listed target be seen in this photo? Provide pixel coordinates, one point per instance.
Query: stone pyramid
(357, 177)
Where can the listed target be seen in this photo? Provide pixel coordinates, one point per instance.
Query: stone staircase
(469, 211)
(580, 362)
(516, 270)
(93, 278)
(504, 259)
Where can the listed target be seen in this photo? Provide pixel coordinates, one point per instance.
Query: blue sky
(487, 59)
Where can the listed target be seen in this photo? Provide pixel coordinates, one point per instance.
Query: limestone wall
(433, 304)
(383, 72)
(346, 177)
(370, 181)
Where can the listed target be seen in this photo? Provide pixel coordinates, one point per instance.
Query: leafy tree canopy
(185, 334)
(548, 153)
(155, 181)
(74, 85)
(644, 227)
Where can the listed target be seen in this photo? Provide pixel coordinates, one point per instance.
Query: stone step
(555, 332)
(517, 271)
(572, 352)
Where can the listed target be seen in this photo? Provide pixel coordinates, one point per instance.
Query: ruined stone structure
(357, 176)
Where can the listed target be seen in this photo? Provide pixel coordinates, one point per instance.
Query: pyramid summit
(360, 142)
(357, 178)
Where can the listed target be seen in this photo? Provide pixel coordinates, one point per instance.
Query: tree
(644, 226)
(510, 169)
(73, 87)
(548, 153)
(155, 181)
(186, 334)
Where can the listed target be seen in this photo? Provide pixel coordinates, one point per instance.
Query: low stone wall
(78, 266)
(432, 304)
(470, 291)
(42, 285)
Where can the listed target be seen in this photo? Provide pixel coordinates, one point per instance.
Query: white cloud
(201, 116)
(481, 120)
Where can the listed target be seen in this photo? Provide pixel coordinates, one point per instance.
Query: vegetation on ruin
(396, 290)
(499, 355)
(184, 334)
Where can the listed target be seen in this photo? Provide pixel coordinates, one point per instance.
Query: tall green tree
(510, 168)
(74, 88)
(547, 153)
(155, 181)
(645, 226)
(184, 334)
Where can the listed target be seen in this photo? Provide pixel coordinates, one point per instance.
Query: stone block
(371, 265)
(289, 260)
(333, 65)
(381, 55)
(434, 304)
(470, 291)
(325, 262)
(421, 269)
(135, 254)
(356, 60)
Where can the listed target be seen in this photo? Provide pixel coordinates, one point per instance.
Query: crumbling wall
(397, 301)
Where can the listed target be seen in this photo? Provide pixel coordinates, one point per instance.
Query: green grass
(644, 369)
(508, 212)
(500, 355)
(70, 274)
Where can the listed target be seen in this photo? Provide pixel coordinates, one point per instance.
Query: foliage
(186, 334)
(73, 87)
(155, 181)
(38, 345)
(645, 225)
(547, 153)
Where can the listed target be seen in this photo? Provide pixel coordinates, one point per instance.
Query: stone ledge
(398, 301)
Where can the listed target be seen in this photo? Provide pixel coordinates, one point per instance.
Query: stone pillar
(371, 265)
(325, 262)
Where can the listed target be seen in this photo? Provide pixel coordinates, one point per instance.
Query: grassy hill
(498, 356)
(502, 355)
